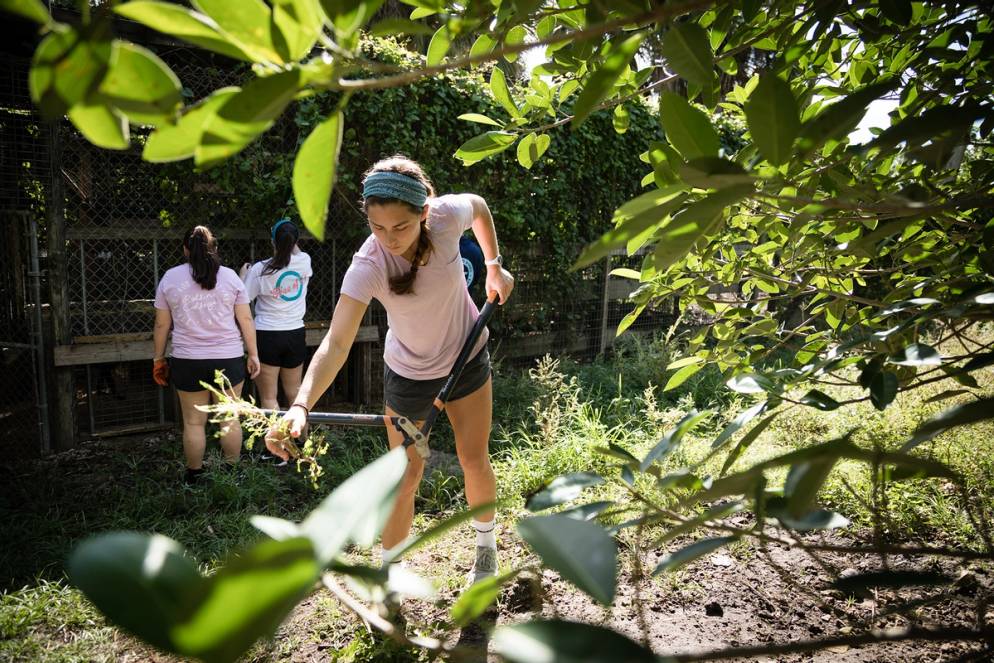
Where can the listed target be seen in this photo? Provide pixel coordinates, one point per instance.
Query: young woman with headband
(279, 287)
(411, 264)
(205, 307)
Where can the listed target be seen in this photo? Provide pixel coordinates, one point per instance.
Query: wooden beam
(62, 394)
(115, 348)
(152, 229)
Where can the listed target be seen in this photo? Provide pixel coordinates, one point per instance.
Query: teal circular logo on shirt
(298, 285)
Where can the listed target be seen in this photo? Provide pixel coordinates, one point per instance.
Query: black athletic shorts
(413, 398)
(187, 374)
(286, 349)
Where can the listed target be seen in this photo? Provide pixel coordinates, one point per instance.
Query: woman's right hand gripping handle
(287, 431)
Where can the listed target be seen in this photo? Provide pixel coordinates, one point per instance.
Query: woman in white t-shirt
(411, 264)
(279, 287)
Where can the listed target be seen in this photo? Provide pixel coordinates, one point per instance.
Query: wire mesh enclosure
(123, 219)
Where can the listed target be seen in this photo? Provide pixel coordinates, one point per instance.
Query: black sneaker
(193, 477)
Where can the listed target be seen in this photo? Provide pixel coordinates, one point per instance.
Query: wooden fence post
(63, 392)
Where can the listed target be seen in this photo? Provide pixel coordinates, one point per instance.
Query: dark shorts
(187, 374)
(413, 398)
(286, 349)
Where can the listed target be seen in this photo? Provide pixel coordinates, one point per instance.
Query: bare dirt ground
(748, 597)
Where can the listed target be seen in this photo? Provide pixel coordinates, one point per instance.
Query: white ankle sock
(485, 532)
(385, 553)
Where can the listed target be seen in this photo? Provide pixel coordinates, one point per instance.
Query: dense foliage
(835, 261)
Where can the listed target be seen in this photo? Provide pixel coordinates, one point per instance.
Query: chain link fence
(123, 224)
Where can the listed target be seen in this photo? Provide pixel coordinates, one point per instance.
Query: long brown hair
(204, 259)
(403, 284)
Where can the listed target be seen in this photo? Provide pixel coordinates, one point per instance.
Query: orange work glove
(160, 372)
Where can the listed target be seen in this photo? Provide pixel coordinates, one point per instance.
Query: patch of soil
(754, 598)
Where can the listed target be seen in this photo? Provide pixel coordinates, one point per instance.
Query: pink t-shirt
(428, 327)
(204, 325)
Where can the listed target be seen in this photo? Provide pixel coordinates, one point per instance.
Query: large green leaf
(601, 83)
(883, 389)
(917, 354)
(349, 15)
(633, 218)
(837, 120)
(688, 52)
(356, 510)
(245, 115)
(563, 489)
(141, 85)
(183, 23)
(688, 129)
(712, 173)
(961, 415)
(483, 45)
(673, 561)
(514, 36)
(558, 641)
(681, 376)
(180, 140)
(580, 551)
(531, 148)
(247, 599)
(263, 99)
(817, 519)
(146, 585)
(143, 583)
(298, 24)
(102, 125)
(478, 597)
(498, 87)
(750, 383)
(672, 439)
(30, 9)
(820, 400)
(479, 118)
(276, 528)
(479, 148)
(773, 118)
(677, 237)
(66, 69)
(934, 122)
(314, 172)
(803, 482)
(438, 46)
(246, 23)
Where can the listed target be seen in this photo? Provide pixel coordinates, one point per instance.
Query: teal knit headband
(387, 184)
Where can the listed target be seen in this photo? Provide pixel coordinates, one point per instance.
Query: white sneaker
(485, 565)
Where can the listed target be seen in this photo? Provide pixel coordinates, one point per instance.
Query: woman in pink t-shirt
(206, 308)
(411, 264)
